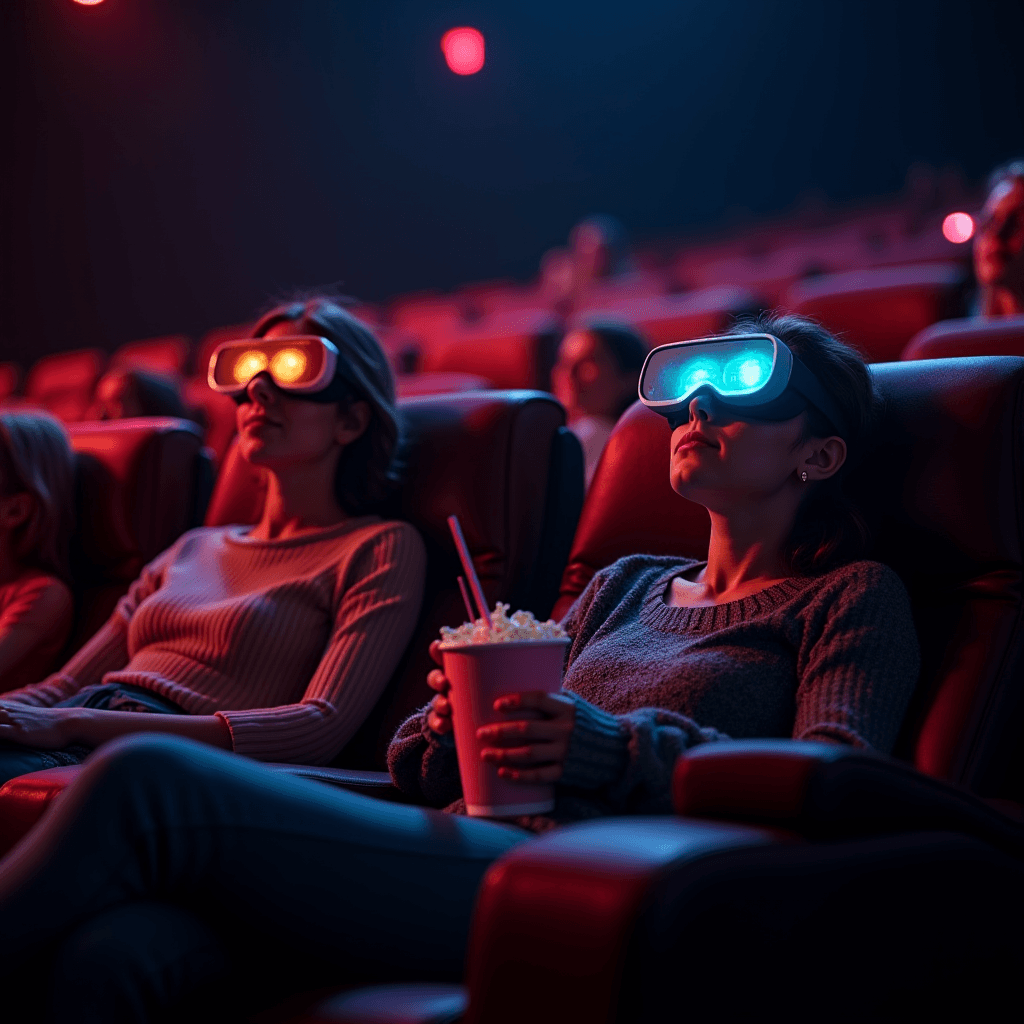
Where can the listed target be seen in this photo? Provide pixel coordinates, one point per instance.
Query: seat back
(880, 310)
(972, 336)
(513, 351)
(942, 485)
(507, 466)
(666, 318)
(168, 355)
(63, 383)
(140, 484)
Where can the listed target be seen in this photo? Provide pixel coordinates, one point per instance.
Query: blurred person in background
(595, 378)
(125, 394)
(999, 244)
(37, 503)
(273, 640)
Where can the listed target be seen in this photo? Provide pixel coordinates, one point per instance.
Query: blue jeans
(17, 760)
(165, 858)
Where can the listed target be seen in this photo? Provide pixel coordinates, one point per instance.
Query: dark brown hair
(366, 474)
(829, 529)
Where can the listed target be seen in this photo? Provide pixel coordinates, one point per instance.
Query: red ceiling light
(958, 227)
(463, 50)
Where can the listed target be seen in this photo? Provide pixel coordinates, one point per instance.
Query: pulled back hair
(830, 529)
(366, 474)
(36, 459)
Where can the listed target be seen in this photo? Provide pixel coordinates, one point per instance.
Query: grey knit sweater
(830, 657)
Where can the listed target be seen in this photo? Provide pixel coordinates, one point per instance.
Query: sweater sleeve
(627, 760)
(106, 651)
(423, 763)
(859, 662)
(374, 617)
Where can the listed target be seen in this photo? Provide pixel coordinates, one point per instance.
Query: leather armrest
(554, 915)
(826, 790)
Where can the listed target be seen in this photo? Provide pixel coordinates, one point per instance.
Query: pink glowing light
(463, 50)
(958, 227)
(88, 3)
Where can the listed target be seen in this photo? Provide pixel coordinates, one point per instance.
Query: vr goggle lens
(303, 364)
(755, 373)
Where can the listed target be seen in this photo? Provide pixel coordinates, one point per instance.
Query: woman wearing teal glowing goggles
(755, 375)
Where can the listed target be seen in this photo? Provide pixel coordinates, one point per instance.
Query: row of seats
(943, 488)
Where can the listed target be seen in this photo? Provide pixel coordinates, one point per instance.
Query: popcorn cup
(479, 674)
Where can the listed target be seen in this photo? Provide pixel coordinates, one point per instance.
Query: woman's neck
(745, 555)
(1000, 302)
(298, 501)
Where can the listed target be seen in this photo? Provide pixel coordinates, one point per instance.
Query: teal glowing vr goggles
(755, 375)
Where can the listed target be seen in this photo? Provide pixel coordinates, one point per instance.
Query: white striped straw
(467, 565)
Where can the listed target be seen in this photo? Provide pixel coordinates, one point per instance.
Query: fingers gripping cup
(483, 663)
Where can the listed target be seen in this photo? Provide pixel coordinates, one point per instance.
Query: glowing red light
(463, 50)
(958, 227)
(88, 3)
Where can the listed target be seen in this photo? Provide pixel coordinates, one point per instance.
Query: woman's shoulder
(864, 579)
(631, 571)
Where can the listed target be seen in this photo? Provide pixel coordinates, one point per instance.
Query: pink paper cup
(479, 674)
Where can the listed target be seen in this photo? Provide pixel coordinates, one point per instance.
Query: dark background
(171, 164)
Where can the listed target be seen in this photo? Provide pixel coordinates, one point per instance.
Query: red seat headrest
(973, 336)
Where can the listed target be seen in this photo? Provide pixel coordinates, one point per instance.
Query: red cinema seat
(10, 378)
(667, 318)
(167, 355)
(63, 383)
(516, 350)
(415, 385)
(972, 336)
(880, 310)
(140, 484)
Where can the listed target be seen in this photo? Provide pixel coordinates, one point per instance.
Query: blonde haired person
(36, 520)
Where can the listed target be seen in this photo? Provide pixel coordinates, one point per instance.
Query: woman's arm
(54, 728)
(375, 616)
(860, 661)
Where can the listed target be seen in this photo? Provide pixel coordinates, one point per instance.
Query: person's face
(720, 461)
(279, 432)
(116, 397)
(586, 379)
(999, 242)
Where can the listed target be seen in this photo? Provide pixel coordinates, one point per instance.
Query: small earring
(803, 476)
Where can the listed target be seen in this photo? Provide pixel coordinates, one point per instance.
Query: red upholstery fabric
(413, 385)
(880, 310)
(215, 410)
(10, 378)
(666, 318)
(973, 336)
(168, 355)
(63, 383)
(943, 484)
(24, 799)
(139, 484)
(517, 352)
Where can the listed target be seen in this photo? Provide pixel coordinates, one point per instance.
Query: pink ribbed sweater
(289, 641)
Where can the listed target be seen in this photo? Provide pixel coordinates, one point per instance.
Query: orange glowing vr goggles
(303, 366)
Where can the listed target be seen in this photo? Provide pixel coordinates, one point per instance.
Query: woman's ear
(824, 459)
(16, 509)
(352, 422)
